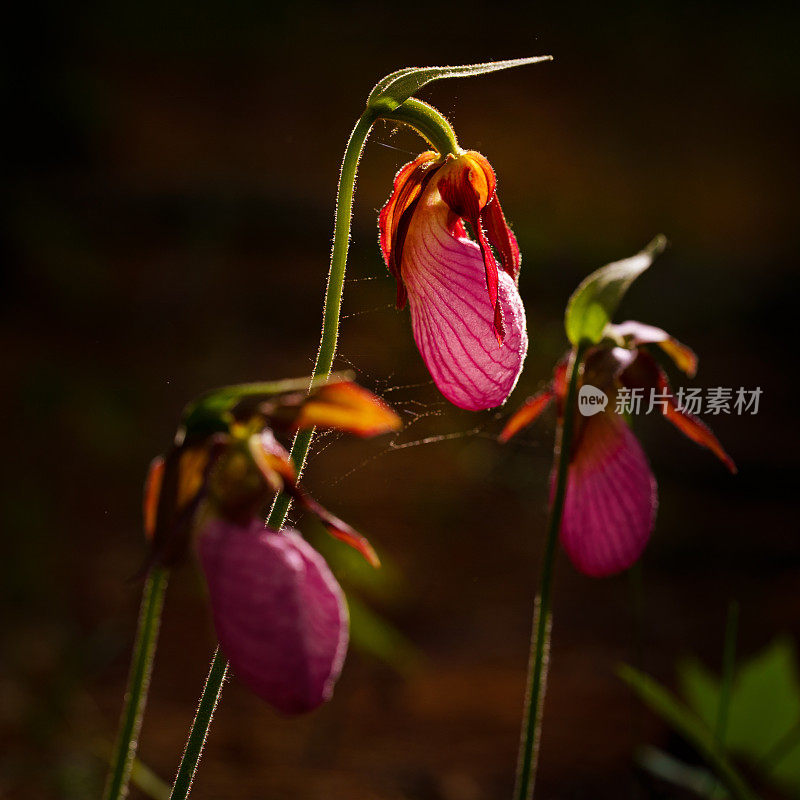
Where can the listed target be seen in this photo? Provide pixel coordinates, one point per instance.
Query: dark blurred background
(169, 195)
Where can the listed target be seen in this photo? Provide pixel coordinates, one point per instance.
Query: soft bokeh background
(169, 199)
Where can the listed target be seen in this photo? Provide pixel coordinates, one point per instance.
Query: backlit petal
(611, 498)
(279, 613)
(452, 315)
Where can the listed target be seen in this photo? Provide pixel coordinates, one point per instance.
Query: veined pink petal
(611, 499)
(279, 613)
(451, 312)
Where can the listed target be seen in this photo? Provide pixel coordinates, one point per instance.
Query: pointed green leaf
(764, 714)
(595, 300)
(682, 720)
(393, 90)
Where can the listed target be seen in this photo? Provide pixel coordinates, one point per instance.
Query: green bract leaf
(595, 300)
(393, 90)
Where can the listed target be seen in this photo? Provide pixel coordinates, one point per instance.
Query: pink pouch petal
(279, 613)
(610, 507)
(452, 315)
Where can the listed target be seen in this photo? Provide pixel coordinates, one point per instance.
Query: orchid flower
(279, 614)
(611, 496)
(466, 312)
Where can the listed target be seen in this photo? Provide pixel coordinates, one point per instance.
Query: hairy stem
(200, 725)
(430, 124)
(144, 649)
(542, 619)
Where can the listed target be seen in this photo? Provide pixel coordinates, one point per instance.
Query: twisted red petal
(693, 427)
(502, 237)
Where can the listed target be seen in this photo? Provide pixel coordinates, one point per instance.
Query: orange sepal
(152, 491)
(348, 407)
(526, 415)
(409, 184)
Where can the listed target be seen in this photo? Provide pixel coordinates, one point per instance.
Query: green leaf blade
(593, 303)
(659, 700)
(393, 90)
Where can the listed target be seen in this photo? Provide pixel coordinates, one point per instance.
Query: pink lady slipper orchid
(279, 613)
(611, 496)
(466, 312)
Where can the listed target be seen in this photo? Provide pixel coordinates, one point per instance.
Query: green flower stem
(542, 620)
(200, 726)
(437, 130)
(428, 123)
(144, 649)
(302, 441)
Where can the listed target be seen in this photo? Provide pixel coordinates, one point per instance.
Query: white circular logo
(591, 400)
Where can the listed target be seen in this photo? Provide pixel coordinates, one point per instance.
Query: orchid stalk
(528, 758)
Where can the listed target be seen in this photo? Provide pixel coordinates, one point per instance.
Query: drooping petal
(691, 426)
(276, 467)
(527, 414)
(340, 530)
(452, 314)
(699, 432)
(635, 334)
(646, 372)
(611, 499)
(394, 217)
(279, 613)
(501, 237)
